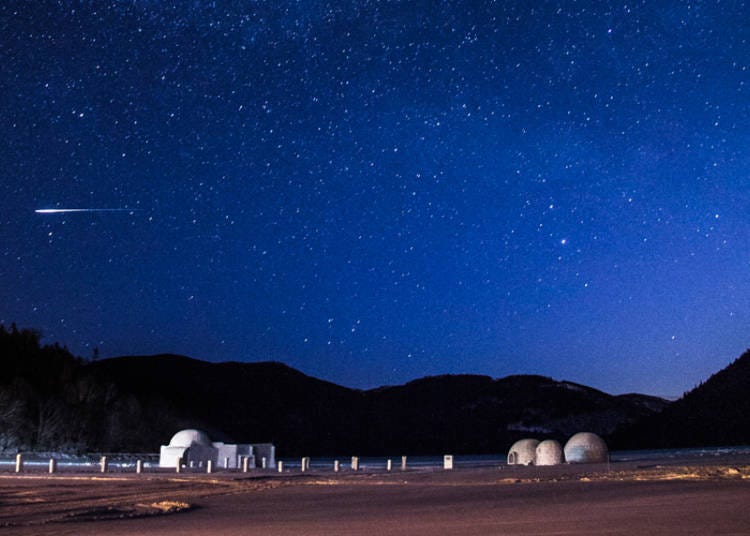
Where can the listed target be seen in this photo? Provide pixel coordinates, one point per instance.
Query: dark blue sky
(377, 191)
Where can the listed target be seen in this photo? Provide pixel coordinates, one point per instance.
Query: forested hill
(50, 399)
(716, 413)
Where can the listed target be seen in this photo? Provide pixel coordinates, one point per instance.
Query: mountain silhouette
(303, 415)
(715, 413)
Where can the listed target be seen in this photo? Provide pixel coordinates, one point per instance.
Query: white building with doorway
(193, 448)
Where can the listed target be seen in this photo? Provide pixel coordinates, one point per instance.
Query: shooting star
(65, 210)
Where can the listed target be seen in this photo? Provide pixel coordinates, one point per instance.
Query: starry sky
(375, 191)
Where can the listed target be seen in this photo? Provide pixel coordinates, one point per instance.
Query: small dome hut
(188, 438)
(523, 452)
(549, 452)
(585, 447)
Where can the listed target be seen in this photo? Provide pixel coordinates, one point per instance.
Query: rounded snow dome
(188, 438)
(585, 447)
(549, 452)
(523, 452)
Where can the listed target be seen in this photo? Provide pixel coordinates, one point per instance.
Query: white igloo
(188, 438)
(194, 448)
(585, 447)
(523, 452)
(549, 452)
(188, 446)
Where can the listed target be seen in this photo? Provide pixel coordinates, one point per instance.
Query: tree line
(49, 400)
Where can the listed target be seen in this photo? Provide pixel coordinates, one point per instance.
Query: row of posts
(305, 464)
(103, 464)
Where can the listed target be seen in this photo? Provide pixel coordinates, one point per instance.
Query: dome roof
(549, 452)
(523, 452)
(585, 447)
(188, 438)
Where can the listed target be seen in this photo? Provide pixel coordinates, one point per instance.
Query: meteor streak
(63, 210)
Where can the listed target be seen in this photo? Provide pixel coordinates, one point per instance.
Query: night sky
(375, 191)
